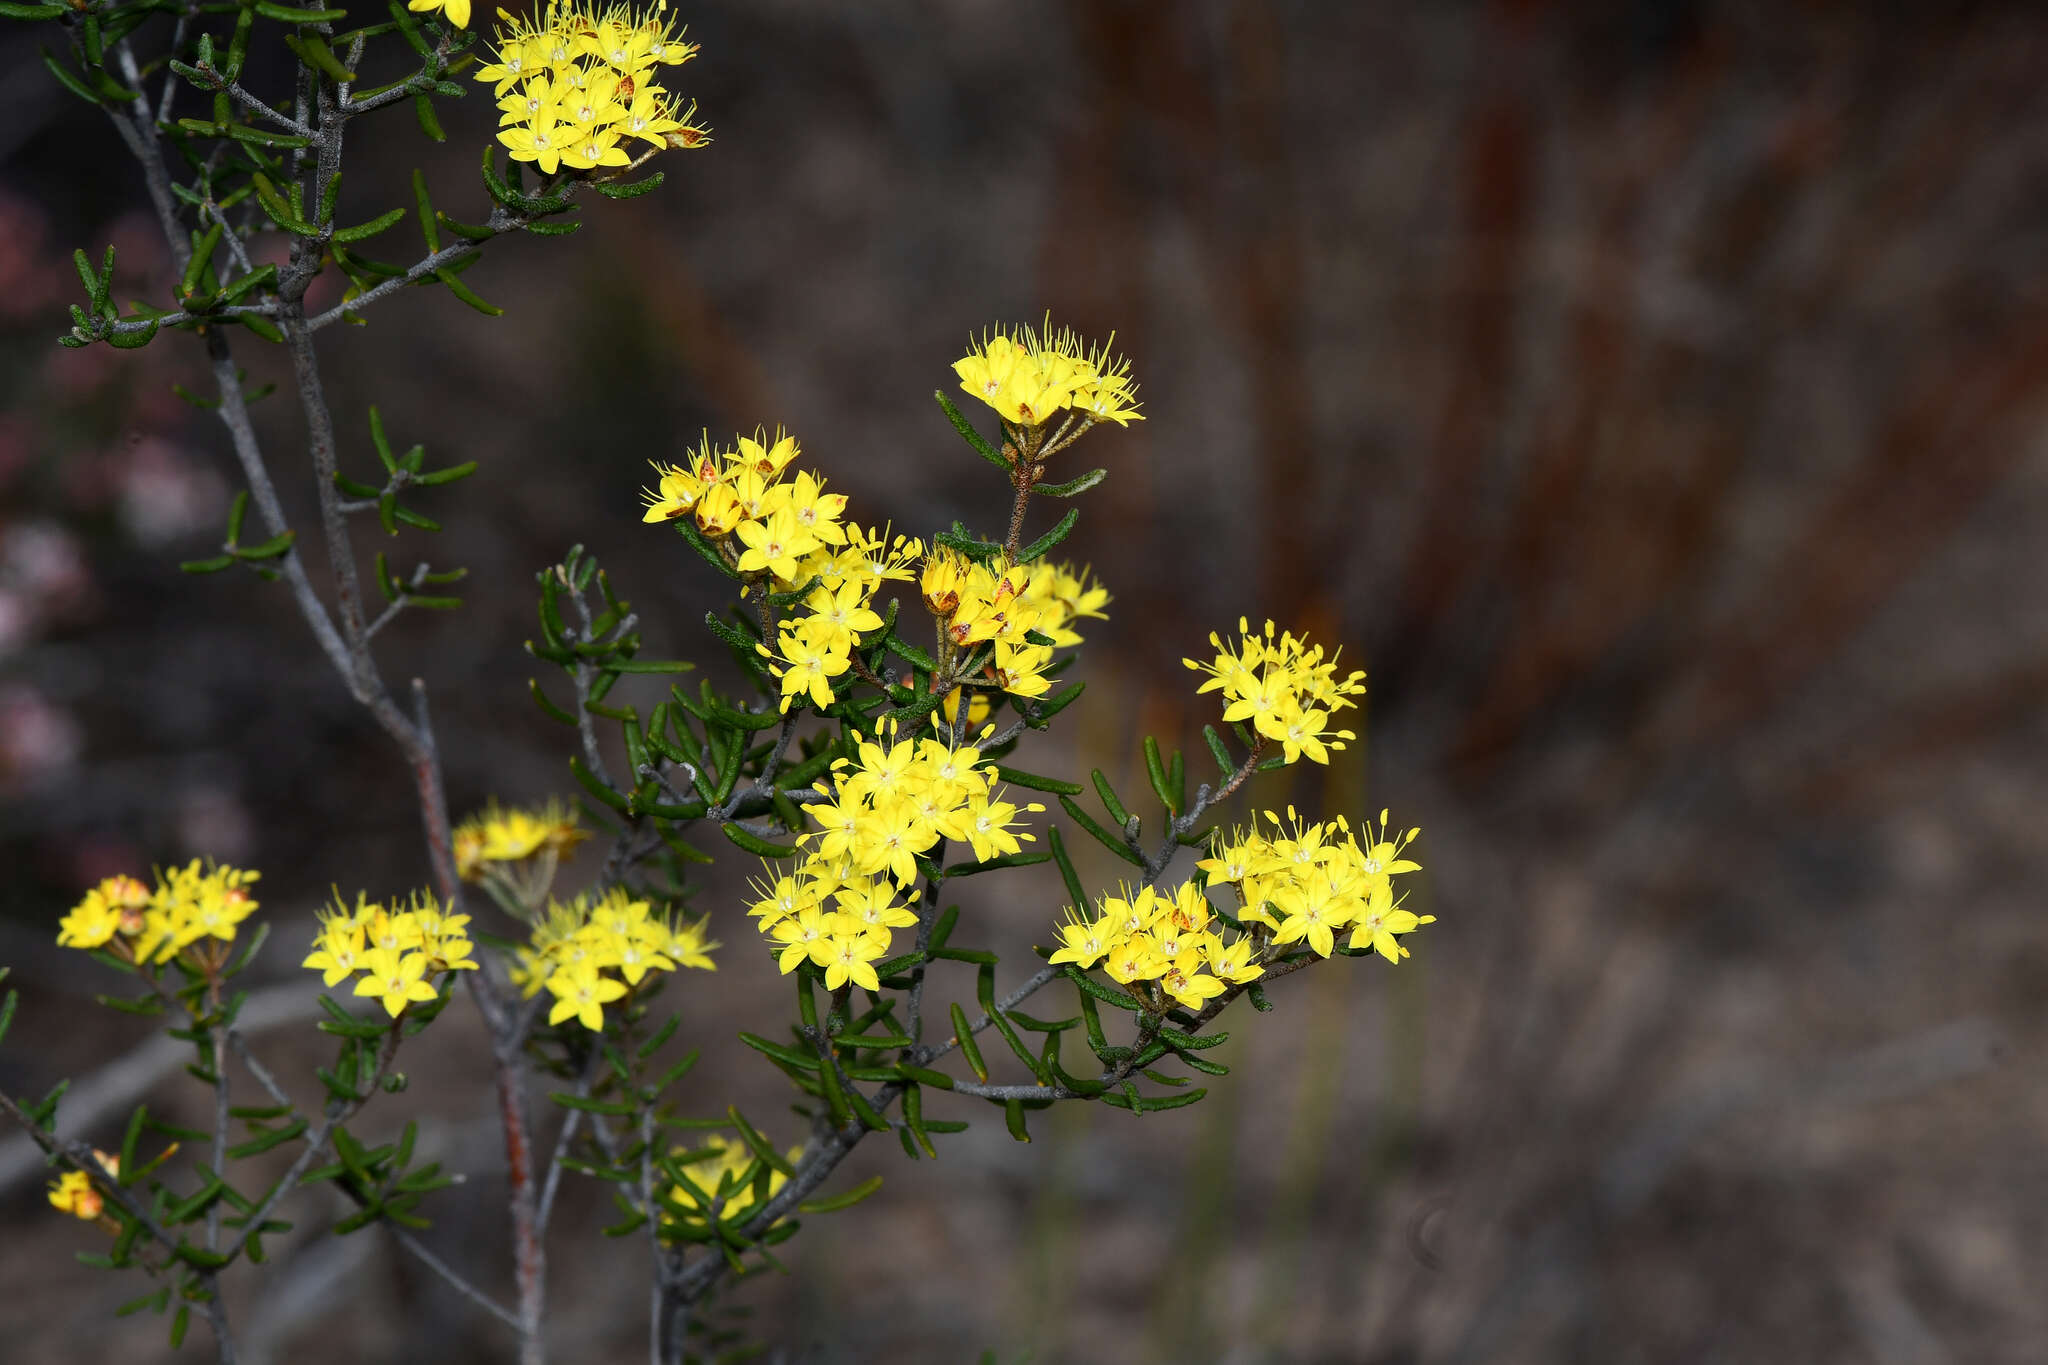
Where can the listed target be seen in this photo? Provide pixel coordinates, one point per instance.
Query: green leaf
(430, 122)
(1089, 986)
(1056, 785)
(1101, 836)
(1041, 716)
(213, 565)
(973, 546)
(631, 190)
(1140, 1104)
(968, 434)
(590, 783)
(269, 549)
(314, 52)
(202, 257)
(448, 475)
(463, 292)
(1072, 486)
(847, 1200)
(69, 81)
(993, 864)
(1037, 548)
(787, 1056)
(135, 340)
(1118, 814)
(1218, 751)
(757, 1143)
(7, 1012)
(753, 843)
(31, 12)
(268, 1139)
(262, 327)
(277, 210)
(376, 225)
(291, 15)
(429, 228)
(1078, 896)
(609, 1108)
(968, 1048)
(1156, 771)
(248, 284)
(938, 1080)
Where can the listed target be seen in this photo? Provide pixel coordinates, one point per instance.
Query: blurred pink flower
(38, 740)
(165, 495)
(213, 823)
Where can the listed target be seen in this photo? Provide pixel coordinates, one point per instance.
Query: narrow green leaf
(291, 15)
(753, 843)
(757, 1143)
(430, 122)
(264, 1141)
(993, 864)
(842, 1201)
(448, 475)
(370, 229)
(1077, 895)
(974, 439)
(1041, 716)
(1101, 836)
(1072, 486)
(1120, 816)
(463, 292)
(590, 783)
(314, 52)
(1037, 548)
(787, 1056)
(1021, 778)
(1156, 771)
(70, 82)
(968, 1048)
(429, 228)
(633, 190)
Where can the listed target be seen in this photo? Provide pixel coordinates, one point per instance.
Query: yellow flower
(719, 1171)
(499, 835)
(73, 1193)
(808, 661)
(580, 994)
(92, 922)
(688, 946)
(775, 544)
(457, 11)
(396, 979)
(1030, 377)
(338, 949)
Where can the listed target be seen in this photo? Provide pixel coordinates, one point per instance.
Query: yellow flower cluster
(1284, 687)
(1030, 377)
(137, 924)
(1306, 883)
(513, 836)
(792, 534)
(839, 907)
(1147, 940)
(1004, 605)
(580, 941)
(74, 1193)
(1296, 884)
(715, 1172)
(576, 88)
(397, 949)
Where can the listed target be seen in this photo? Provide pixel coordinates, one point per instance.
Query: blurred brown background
(1648, 394)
